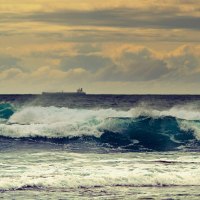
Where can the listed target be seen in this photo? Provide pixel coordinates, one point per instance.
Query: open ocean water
(100, 147)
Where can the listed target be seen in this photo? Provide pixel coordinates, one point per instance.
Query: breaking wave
(135, 129)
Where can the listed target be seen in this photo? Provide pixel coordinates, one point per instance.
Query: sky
(103, 46)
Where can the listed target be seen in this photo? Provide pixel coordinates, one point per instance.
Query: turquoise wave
(132, 133)
(6, 110)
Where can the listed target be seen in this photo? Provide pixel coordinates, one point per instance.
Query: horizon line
(108, 94)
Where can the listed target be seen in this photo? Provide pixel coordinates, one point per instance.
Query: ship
(78, 92)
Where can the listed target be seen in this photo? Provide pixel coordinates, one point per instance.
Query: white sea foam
(56, 170)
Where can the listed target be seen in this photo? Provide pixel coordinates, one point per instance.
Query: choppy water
(100, 147)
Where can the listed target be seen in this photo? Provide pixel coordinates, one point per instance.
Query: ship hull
(63, 93)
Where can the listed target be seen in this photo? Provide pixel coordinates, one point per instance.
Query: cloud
(47, 5)
(7, 61)
(131, 64)
(184, 58)
(106, 43)
(50, 74)
(134, 65)
(91, 63)
(184, 64)
(114, 66)
(10, 74)
(44, 74)
(114, 17)
(141, 64)
(126, 63)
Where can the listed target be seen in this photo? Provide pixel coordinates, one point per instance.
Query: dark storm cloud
(119, 17)
(87, 36)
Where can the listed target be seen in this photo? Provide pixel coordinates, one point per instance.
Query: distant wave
(136, 128)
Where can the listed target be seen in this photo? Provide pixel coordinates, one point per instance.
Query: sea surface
(100, 147)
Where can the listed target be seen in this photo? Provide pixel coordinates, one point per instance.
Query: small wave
(114, 178)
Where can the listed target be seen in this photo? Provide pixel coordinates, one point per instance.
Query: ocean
(100, 147)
